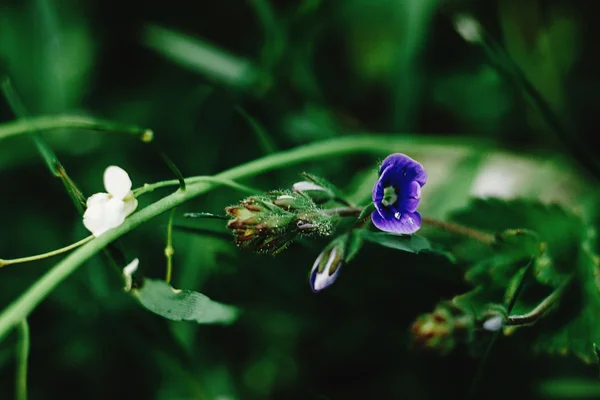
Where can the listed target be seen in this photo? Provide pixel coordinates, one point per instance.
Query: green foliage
(183, 305)
(577, 332)
(551, 238)
(410, 243)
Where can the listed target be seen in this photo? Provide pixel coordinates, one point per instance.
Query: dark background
(319, 69)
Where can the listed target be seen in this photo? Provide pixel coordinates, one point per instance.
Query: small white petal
(117, 182)
(128, 272)
(304, 185)
(493, 324)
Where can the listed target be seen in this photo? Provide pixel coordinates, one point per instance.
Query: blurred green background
(306, 71)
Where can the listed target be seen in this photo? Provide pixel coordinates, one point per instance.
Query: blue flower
(397, 193)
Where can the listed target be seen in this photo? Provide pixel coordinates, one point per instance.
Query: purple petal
(378, 190)
(410, 196)
(398, 168)
(395, 222)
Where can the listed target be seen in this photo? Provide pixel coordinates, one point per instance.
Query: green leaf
(558, 230)
(507, 256)
(353, 245)
(369, 208)
(183, 305)
(575, 329)
(410, 243)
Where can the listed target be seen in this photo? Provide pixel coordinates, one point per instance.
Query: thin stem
(488, 350)
(4, 263)
(444, 225)
(171, 165)
(369, 144)
(22, 360)
(540, 310)
(471, 233)
(169, 251)
(53, 122)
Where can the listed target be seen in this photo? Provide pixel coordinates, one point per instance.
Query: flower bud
(493, 318)
(494, 323)
(317, 193)
(267, 224)
(443, 329)
(468, 28)
(328, 265)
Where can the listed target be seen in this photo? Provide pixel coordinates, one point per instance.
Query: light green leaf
(183, 305)
(409, 243)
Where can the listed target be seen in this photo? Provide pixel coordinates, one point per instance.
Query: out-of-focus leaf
(578, 329)
(569, 389)
(183, 305)
(559, 229)
(202, 57)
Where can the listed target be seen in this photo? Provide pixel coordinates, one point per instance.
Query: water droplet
(397, 215)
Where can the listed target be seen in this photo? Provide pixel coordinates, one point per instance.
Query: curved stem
(52, 253)
(371, 144)
(540, 310)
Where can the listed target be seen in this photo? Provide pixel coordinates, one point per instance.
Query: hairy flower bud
(268, 223)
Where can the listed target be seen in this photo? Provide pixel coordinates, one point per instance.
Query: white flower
(108, 210)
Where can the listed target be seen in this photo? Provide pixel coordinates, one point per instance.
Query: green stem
(169, 251)
(150, 187)
(22, 356)
(372, 144)
(53, 122)
(540, 310)
(444, 225)
(471, 233)
(4, 263)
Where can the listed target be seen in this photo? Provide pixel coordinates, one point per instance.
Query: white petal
(97, 199)
(117, 182)
(105, 215)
